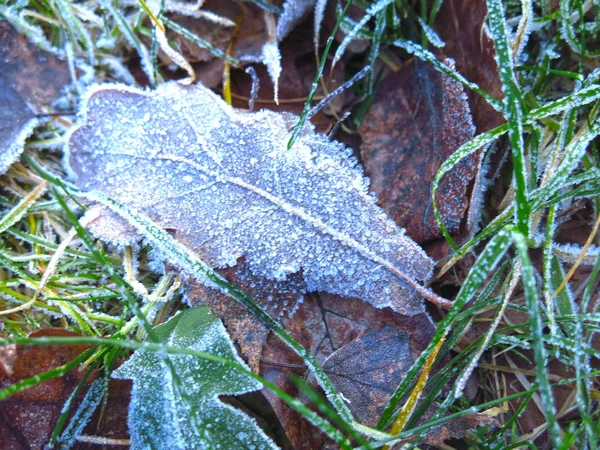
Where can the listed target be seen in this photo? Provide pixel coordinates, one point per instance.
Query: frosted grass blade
(513, 111)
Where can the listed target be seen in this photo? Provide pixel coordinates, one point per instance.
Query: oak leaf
(225, 184)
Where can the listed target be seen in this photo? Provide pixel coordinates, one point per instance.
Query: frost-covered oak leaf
(184, 413)
(224, 182)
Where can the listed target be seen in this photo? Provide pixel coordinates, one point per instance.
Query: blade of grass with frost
(548, 287)
(572, 156)
(588, 181)
(351, 82)
(313, 88)
(33, 33)
(375, 46)
(488, 260)
(426, 55)
(577, 99)
(18, 211)
(582, 361)
(430, 34)
(422, 430)
(462, 322)
(536, 327)
(513, 111)
(189, 260)
(311, 394)
(319, 14)
(293, 403)
(465, 150)
(459, 385)
(371, 11)
(127, 31)
(76, 28)
(267, 6)
(96, 392)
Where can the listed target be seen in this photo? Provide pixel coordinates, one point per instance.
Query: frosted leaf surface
(30, 80)
(223, 182)
(160, 418)
(293, 12)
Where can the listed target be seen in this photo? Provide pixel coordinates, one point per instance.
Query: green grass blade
(486, 263)
(426, 55)
(513, 110)
(536, 327)
(313, 88)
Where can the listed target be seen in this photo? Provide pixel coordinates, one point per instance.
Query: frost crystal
(225, 185)
(186, 413)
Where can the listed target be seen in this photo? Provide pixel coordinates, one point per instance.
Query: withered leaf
(27, 418)
(29, 79)
(325, 325)
(418, 119)
(226, 183)
(367, 370)
(460, 24)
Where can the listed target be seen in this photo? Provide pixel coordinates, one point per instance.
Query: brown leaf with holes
(418, 119)
(30, 79)
(324, 324)
(368, 369)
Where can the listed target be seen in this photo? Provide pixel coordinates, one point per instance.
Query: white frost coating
(185, 414)
(306, 210)
(319, 15)
(293, 12)
(432, 36)
(570, 252)
(271, 58)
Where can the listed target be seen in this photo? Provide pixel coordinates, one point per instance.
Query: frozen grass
(551, 105)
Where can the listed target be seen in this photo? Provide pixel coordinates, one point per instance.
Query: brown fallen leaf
(30, 79)
(367, 370)
(418, 119)
(27, 418)
(460, 24)
(325, 324)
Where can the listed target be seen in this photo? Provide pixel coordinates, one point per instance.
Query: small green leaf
(183, 413)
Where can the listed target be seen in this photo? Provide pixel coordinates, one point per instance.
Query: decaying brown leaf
(460, 24)
(30, 79)
(27, 418)
(325, 324)
(367, 370)
(418, 119)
